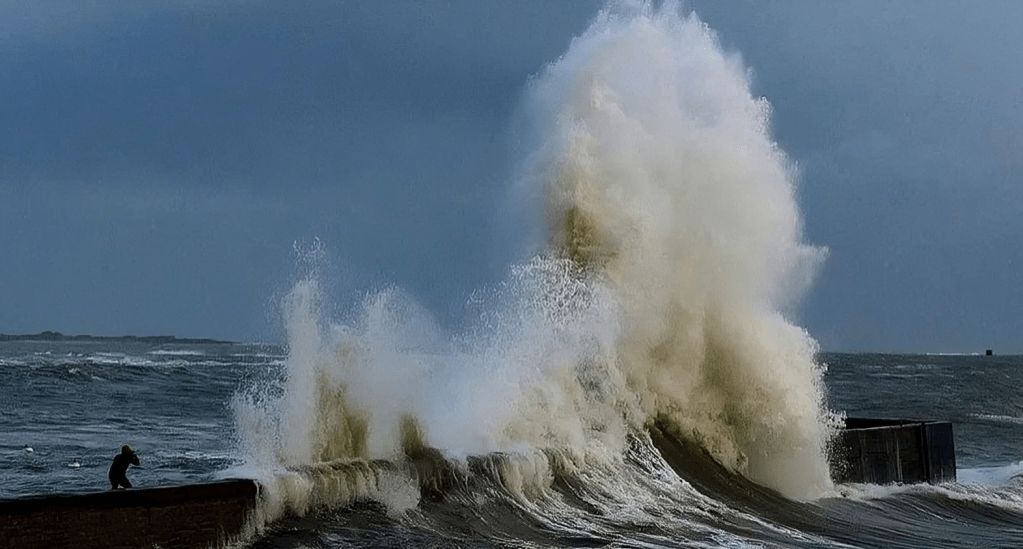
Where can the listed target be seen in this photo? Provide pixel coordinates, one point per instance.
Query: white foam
(673, 247)
(258, 355)
(120, 359)
(177, 352)
(1006, 495)
(654, 161)
(991, 476)
(996, 418)
(198, 455)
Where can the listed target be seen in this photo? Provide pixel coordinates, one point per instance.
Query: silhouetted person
(119, 467)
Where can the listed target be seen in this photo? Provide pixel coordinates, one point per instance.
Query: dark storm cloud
(158, 160)
(252, 93)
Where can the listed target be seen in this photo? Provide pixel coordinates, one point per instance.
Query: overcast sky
(159, 161)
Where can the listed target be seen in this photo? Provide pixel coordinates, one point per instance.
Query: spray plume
(673, 244)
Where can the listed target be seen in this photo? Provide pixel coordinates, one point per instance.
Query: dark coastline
(155, 340)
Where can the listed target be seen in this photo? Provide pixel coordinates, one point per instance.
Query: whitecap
(177, 352)
(995, 418)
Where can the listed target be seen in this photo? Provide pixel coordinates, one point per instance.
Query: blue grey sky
(159, 161)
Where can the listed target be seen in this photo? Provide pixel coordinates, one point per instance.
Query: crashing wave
(673, 249)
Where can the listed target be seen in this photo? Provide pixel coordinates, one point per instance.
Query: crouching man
(119, 468)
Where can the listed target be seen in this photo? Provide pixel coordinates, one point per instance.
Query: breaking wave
(653, 310)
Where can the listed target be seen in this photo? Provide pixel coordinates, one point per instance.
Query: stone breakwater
(194, 515)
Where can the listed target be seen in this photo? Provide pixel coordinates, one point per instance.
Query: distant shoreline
(57, 336)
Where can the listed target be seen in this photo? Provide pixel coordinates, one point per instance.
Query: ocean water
(66, 409)
(74, 404)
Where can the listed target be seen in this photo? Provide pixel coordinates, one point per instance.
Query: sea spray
(657, 169)
(674, 244)
(371, 401)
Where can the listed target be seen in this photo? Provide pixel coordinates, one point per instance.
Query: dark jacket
(120, 465)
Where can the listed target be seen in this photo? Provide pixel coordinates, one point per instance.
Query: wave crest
(674, 247)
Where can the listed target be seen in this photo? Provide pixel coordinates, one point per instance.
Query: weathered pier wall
(194, 515)
(885, 451)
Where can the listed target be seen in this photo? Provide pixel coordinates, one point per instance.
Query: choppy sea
(66, 407)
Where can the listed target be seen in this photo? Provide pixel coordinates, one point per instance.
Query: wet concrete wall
(885, 451)
(195, 515)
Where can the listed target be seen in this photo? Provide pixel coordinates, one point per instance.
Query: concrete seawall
(194, 515)
(885, 451)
